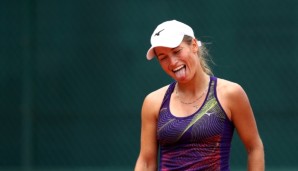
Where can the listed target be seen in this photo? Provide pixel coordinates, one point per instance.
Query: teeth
(178, 68)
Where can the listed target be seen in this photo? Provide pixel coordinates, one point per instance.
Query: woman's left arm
(243, 118)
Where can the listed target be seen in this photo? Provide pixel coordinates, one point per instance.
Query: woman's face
(180, 63)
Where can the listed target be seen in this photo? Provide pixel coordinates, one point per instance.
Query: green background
(74, 75)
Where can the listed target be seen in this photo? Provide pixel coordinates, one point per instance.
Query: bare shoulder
(230, 95)
(228, 87)
(157, 95)
(153, 100)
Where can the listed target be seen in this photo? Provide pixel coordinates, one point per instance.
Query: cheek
(163, 64)
(191, 61)
(165, 68)
(186, 54)
(186, 57)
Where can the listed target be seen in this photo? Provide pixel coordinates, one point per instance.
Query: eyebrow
(160, 54)
(172, 49)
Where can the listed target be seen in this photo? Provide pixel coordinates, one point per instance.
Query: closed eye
(177, 51)
(162, 57)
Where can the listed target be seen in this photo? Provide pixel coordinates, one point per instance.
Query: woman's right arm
(147, 160)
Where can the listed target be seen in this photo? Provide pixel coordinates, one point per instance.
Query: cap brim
(150, 53)
(165, 42)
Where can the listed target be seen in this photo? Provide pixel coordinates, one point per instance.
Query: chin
(182, 80)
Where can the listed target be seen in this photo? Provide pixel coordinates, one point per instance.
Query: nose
(172, 60)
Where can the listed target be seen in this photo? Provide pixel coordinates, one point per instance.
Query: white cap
(168, 34)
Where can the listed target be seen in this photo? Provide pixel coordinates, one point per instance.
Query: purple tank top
(201, 141)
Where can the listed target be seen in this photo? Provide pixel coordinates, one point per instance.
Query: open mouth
(179, 68)
(180, 72)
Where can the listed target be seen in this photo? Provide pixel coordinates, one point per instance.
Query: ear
(195, 46)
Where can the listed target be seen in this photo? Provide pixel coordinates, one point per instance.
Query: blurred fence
(73, 76)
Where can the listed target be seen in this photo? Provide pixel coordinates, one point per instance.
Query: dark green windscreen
(74, 75)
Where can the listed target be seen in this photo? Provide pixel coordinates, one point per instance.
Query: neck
(195, 86)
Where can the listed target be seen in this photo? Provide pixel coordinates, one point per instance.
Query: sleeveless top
(201, 141)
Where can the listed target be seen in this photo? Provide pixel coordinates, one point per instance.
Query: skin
(191, 85)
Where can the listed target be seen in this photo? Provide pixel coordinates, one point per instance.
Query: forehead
(160, 50)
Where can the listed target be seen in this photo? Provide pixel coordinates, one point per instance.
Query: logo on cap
(157, 34)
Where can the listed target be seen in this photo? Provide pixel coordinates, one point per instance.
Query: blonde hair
(203, 55)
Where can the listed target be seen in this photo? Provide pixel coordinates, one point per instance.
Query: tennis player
(188, 125)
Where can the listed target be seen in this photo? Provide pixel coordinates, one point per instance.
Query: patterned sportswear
(201, 141)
